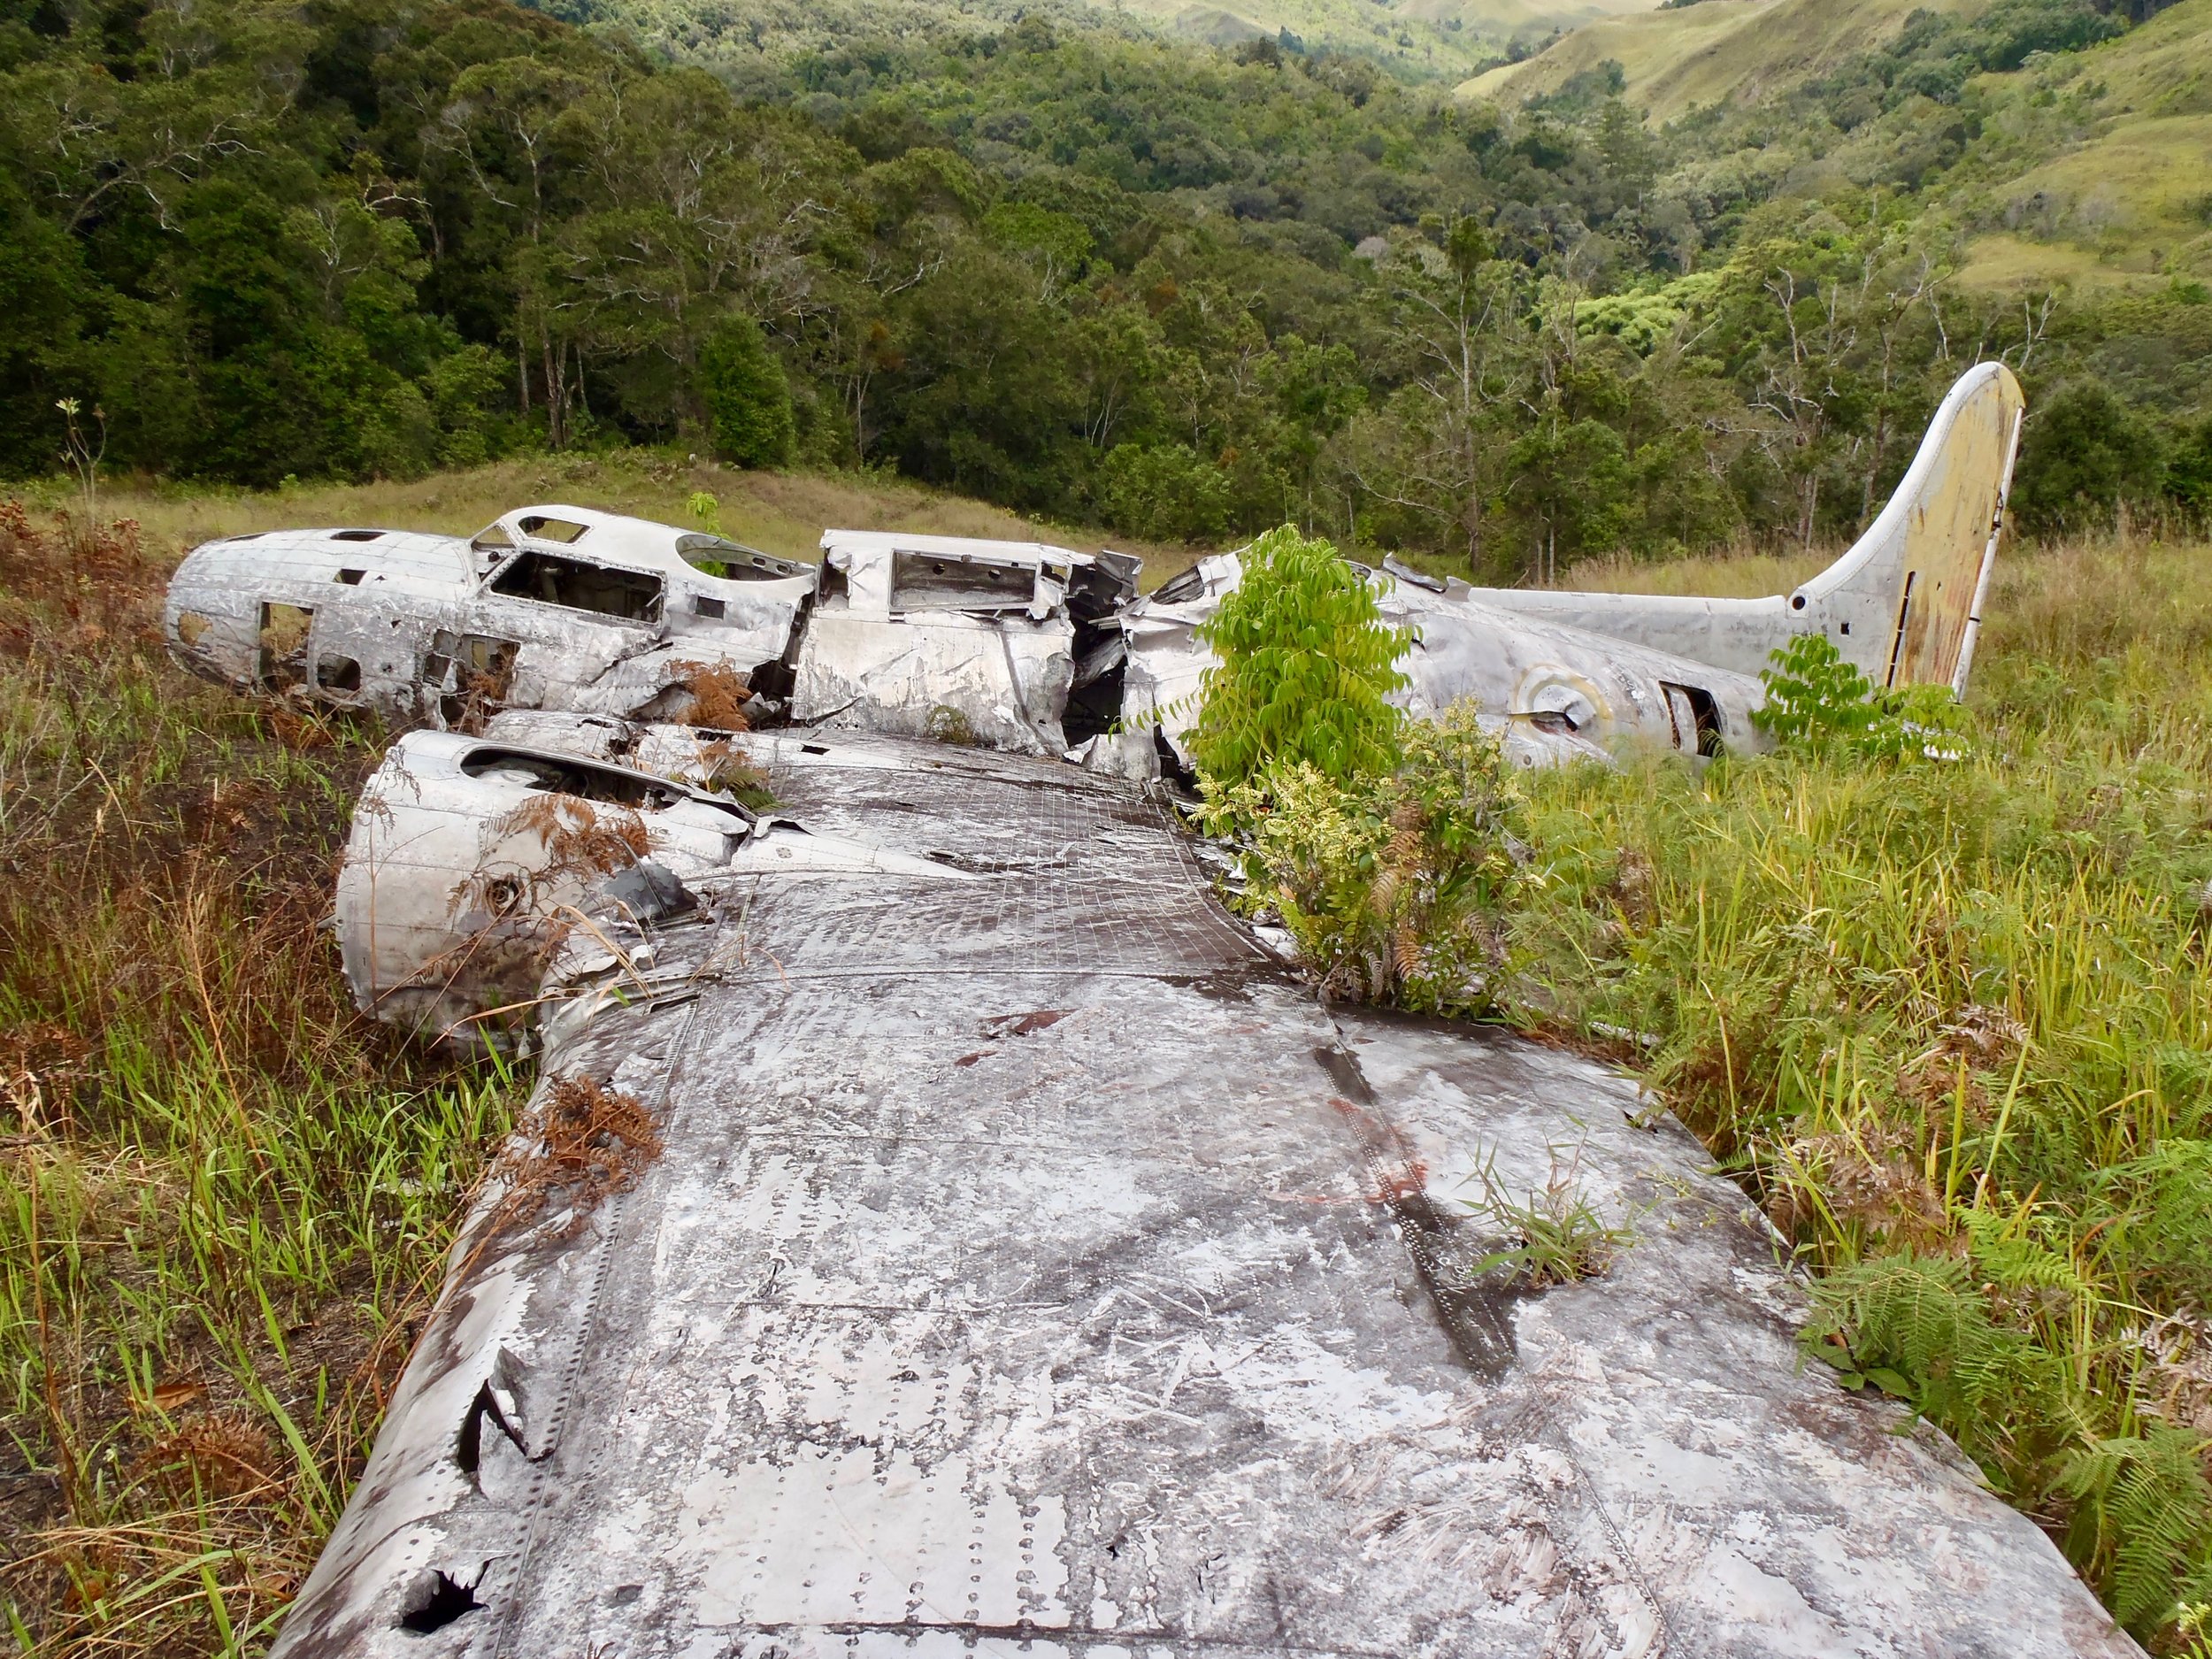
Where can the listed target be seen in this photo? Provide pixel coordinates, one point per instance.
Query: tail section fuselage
(1901, 605)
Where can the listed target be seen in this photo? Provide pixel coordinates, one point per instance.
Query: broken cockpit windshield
(627, 596)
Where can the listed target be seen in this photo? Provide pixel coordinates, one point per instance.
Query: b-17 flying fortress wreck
(1037, 649)
(941, 1228)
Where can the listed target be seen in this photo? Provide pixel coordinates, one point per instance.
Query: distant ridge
(1471, 25)
(1416, 40)
(2118, 191)
(1675, 61)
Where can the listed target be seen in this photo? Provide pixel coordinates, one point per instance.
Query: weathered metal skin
(1902, 605)
(1033, 1268)
(551, 607)
(1560, 681)
(925, 635)
(472, 859)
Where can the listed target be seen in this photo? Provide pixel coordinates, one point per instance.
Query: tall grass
(222, 1200)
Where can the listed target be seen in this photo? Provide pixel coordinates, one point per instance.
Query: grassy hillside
(1419, 38)
(1716, 51)
(2091, 167)
(2112, 148)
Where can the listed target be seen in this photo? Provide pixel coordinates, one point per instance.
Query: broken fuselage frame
(1029, 647)
(552, 607)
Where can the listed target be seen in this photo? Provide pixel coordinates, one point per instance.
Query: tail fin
(1904, 604)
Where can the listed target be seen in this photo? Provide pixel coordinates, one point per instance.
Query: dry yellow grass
(2128, 204)
(2002, 261)
(1719, 576)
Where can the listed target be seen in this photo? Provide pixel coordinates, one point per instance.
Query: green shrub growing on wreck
(1384, 845)
(1307, 666)
(1394, 888)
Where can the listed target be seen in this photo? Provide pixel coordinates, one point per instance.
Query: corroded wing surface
(1031, 1266)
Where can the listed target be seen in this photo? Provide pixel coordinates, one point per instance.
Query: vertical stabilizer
(1903, 604)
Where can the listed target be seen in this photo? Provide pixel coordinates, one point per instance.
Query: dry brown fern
(579, 1145)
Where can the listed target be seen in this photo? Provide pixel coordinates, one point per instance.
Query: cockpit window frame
(492, 539)
(539, 526)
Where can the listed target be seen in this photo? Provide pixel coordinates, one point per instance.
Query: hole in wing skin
(468, 1448)
(437, 1601)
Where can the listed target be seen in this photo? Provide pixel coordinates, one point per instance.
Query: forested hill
(1184, 291)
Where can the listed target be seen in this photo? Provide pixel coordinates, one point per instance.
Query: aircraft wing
(1031, 1265)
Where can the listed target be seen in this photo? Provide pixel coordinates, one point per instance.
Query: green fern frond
(2143, 1523)
(2013, 1261)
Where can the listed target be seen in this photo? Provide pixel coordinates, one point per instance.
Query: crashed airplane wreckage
(942, 1229)
(1037, 649)
(971, 1240)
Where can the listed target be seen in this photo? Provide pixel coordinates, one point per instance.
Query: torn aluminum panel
(548, 607)
(1031, 1267)
(974, 642)
(471, 858)
(1164, 681)
(475, 863)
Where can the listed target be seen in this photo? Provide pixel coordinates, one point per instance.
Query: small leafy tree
(748, 397)
(1396, 889)
(2084, 454)
(1307, 667)
(1818, 703)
